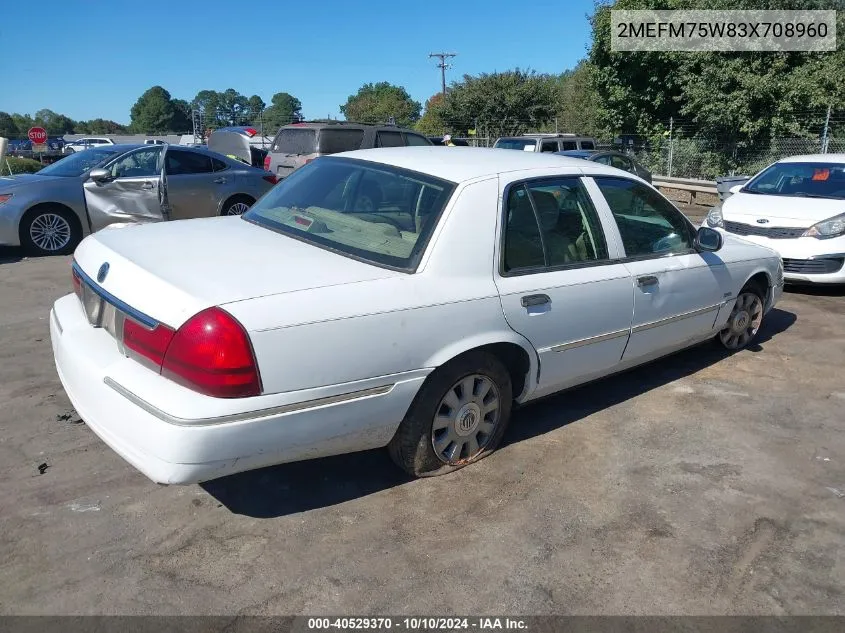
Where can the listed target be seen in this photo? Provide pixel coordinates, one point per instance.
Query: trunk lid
(172, 270)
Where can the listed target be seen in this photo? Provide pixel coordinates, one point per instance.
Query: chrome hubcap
(744, 321)
(239, 208)
(50, 232)
(466, 419)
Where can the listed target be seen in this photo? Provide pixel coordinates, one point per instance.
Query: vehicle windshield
(296, 141)
(377, 213)
(802, 180)
(524, 144)
(78, 163)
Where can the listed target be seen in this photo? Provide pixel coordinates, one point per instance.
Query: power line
(443, 66)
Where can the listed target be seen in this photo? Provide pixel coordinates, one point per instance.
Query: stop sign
(37, 135)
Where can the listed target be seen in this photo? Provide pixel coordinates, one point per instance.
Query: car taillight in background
(77, 282)
(211, 353)
(267, 162)
(271, 179)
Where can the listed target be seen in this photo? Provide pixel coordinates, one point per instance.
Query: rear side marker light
(271, 179)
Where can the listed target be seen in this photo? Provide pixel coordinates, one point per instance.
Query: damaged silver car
(48, 213)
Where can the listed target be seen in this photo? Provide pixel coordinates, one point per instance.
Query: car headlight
(5, 197)
(714, 218)
(832, 227)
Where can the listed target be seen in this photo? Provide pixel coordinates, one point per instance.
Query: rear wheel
(745, 319)
(237, 205)
(49, 230)
(458, 417)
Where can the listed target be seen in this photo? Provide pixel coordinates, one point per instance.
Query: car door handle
(648, 280)
(147, 185)
(220, 181)
(535, 300)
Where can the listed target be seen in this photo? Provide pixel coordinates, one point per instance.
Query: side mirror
(100, 175)
(707, 239)
(737, 188)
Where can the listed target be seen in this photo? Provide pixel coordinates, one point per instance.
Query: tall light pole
(443, 66)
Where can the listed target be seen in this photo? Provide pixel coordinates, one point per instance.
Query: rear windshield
(516, 143)
(377, 213)
(296, 141)
(341, 140)
(803, 180)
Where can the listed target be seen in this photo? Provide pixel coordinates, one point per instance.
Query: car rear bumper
(806, 259)
(172, 450)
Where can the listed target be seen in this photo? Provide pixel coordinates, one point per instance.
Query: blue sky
(95, 58)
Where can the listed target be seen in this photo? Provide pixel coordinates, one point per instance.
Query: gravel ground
(701, 484)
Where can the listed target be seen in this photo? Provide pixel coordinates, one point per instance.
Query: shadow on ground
(301, 486)
(9, 254)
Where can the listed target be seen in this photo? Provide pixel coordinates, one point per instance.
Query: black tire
(412, 447)
(66, 223)
(239, 199)
(736, 342)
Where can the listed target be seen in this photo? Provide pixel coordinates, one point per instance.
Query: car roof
(315, 125)
(459, 164)
(814, 158)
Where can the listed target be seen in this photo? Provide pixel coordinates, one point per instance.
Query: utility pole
(825, 139)
(443, 66)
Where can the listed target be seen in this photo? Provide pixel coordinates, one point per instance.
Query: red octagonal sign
(37, 135)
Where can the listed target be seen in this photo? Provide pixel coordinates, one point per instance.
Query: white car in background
(88, 142)
(399, 296)
(796, 207)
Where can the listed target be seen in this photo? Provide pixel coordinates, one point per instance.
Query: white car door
(561, 282)
(135, 191)
(677, 290)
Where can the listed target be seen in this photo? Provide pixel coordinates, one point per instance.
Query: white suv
(85, 143)
(545, 142)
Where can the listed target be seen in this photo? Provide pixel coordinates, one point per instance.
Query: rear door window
(569, 145)
(389, 139)
(179, 163)
(341, 140)
(588, 145)
(414, 140)
(296, 141)
(548, 146)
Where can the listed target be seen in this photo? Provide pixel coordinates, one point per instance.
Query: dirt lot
(704, 483)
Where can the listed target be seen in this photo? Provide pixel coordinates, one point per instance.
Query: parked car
(796, 207)
(403, 297)
(545, 142)
(242, 143)
(51, 211)
(611, 158)
(86, 143)
(299, 143)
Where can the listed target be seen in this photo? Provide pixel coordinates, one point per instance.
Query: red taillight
(271, 179)
(250, 132)
(151, 344)
(267, 162)
(211, 354)
(77, 282)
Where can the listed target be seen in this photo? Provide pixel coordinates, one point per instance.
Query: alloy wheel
(50, 232)
(466, 419)
(745, 320)
(239, 208)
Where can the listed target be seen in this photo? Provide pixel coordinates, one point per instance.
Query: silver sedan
(51, 211)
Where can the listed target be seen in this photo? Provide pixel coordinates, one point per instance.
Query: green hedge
(20, 166)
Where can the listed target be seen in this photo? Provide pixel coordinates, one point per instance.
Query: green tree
(208, 103)
(22, 123)
(284, 108)
(500, 104)
(53, 122)
(377, 103)
(232, 107)
(153, 113)
(576, 101)
(99, 126)
(255, 109)
(8, 129)
(431, 122)
(181, 116)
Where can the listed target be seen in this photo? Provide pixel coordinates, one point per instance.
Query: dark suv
(298, 143)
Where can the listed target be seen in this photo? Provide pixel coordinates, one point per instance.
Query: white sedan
(401, 297)
(797, 207)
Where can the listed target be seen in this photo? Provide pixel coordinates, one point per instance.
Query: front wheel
(458, 417)
(237, 205)
(49, 231)
(745, 320)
